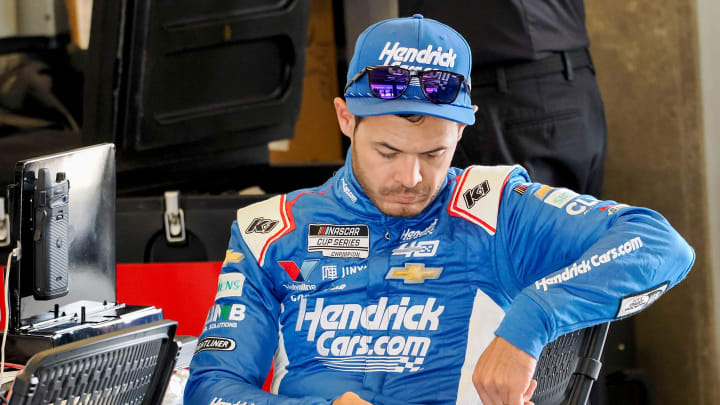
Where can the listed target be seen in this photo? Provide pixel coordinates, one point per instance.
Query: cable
(6, 283)
(15, 366)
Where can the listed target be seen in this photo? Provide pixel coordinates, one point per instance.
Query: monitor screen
(63, 214)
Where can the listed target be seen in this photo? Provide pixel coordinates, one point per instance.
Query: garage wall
(709, 29)
(648, 63)
(8, 24)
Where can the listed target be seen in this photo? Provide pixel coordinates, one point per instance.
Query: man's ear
(345, 118)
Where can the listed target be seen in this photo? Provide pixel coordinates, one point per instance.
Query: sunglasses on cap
(391, 82)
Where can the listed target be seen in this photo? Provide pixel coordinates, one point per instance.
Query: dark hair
(409, 117)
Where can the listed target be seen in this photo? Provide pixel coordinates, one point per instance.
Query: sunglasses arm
(355, 78)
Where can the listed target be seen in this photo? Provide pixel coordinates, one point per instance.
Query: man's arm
(568, 262)
(240, 337)
(571, 261)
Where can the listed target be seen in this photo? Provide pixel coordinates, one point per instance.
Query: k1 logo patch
(261, 225)
(471, 196)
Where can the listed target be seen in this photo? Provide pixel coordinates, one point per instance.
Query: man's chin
(404, 210)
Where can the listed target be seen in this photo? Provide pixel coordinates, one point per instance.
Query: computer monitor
(63, 218)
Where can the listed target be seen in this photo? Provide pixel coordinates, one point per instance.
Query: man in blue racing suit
(404, 281)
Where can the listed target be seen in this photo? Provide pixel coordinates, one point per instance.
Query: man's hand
(350, 398)
(503, 375)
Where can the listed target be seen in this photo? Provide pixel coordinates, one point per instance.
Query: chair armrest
(186, 348)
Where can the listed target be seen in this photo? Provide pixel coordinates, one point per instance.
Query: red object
(184, 291)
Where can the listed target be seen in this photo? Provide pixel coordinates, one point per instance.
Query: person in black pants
(534, 83)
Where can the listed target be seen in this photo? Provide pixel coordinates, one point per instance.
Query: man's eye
(433, 155)
(387, 155)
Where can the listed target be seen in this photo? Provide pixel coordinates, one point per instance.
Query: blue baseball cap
(414, 43)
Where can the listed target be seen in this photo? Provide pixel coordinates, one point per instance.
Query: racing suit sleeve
(235, 350)
(570, 261)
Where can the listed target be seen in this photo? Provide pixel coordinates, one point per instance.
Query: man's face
(401, 164)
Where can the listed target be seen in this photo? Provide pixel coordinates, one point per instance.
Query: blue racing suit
(398, 310)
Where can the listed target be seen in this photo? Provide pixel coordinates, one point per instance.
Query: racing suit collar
(348, 191)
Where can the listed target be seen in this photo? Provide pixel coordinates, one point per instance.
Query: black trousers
(552, 124)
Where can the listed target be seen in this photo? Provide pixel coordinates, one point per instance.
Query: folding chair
(130, 366)
(568, 366)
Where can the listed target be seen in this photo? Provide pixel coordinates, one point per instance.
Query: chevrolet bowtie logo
(232, 257)
(413, 273)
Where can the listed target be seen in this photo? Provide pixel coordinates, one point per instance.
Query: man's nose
(408, 171)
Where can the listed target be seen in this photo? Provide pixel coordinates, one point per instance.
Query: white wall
(709, 33)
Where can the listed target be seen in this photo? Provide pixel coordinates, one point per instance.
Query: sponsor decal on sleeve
(230, 285)
(560, 197)
(635, 303)
(542, 192)
(224, 316)
(612, 209)
(341, 241)
(581, 205)
(587, 265)
(520, 189)
(222, 344)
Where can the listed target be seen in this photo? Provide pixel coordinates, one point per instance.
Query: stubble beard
(424, 195)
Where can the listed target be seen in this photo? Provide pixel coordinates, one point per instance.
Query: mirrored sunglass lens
(440, 87)
(388, 82)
